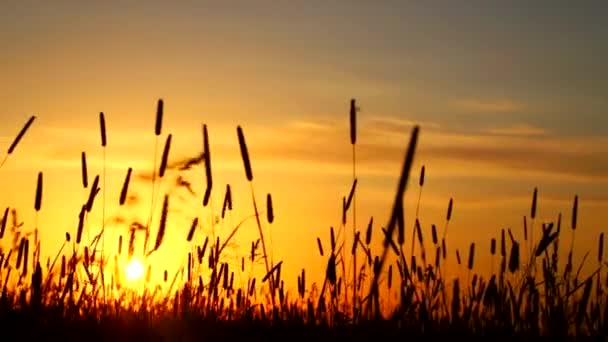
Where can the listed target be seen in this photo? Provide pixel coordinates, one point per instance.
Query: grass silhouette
(70, 298)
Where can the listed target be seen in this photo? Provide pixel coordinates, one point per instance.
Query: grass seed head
(102, 128)
(38, 202)
(27, 125)
(125, 187)
(158, 127)
(244, 153)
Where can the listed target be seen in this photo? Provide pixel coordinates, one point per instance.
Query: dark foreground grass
(79, 294)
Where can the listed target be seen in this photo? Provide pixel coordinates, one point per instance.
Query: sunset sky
(509, 96)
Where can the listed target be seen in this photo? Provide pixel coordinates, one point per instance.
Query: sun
(134, 270)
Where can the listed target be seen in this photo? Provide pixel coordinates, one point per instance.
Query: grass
(73, 297)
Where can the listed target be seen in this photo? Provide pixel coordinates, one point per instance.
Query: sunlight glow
(134, 270)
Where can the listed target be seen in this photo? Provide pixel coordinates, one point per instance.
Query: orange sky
(504, 106)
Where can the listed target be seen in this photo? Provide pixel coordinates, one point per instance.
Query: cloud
(319, 125)
(550, 157)
(488, 105)
(518, 130)
(501, 151)
(387, 124)
(323, 147)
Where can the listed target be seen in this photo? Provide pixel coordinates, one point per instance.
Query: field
(78, 294)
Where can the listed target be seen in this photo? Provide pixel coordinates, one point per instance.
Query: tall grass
(104, 143)
(352, 198)
(203, 299)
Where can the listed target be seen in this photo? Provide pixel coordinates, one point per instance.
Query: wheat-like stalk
(3, 224)
(165, 157)
(244, 154)
(269, 209)
(403, 180)
(162, 226)
(85, 177)
(13, 146)
(192, 229)
(158, 126)
(80, 224)
(38, 201)
(125, 188)
(92, 194)
(157, 132)
(207, 154)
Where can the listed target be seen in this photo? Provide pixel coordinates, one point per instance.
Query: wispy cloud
(522, 129)
(501, 151)
(391, 124)
(319, 125)
(323, 146)
(478, 105)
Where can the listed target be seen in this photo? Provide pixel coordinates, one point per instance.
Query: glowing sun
(134, 270)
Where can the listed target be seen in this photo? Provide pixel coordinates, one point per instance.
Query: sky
(509, 96)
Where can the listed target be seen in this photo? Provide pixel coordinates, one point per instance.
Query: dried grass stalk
(320, 246)
(244, 154)
(80, 224)
(450, 206)
(102, 127)
(125, 187)
(368, 233)
(227, 200)
(269, 209)
(158, 127)
(471, 256)
(20, 254)
(26, 253)
(165, 158)
(85, 177)
(350, 195)
(4, 221)
(163, 224)
(207, 153)
(353, 121)
(38, 202)
(27, 125)
(93, 193)
(421, 181)
(192, 229)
